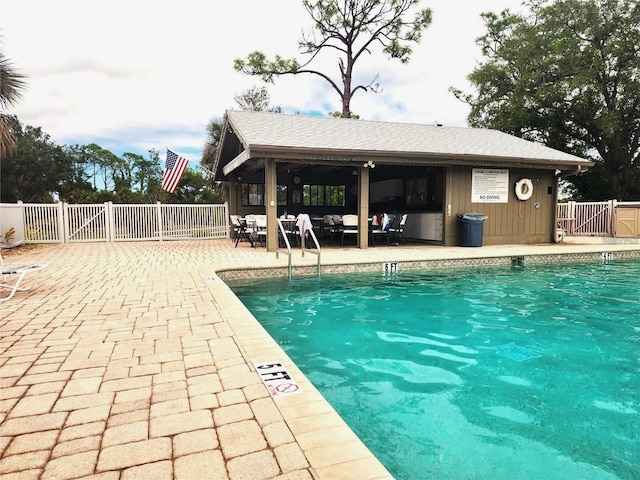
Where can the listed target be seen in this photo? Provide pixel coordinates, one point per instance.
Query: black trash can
(471, 229)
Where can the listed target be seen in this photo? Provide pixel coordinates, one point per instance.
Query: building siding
(514, 222)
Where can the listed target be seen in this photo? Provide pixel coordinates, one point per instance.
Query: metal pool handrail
(287, 250)
(286, 241)
(315, 241)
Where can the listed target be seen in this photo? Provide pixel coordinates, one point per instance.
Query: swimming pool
(494, 373)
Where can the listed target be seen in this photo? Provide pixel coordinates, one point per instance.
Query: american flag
(173, 171)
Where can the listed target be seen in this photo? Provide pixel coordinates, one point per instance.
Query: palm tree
(12, 85)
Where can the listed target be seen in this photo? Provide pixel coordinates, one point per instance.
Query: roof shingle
(266, 129)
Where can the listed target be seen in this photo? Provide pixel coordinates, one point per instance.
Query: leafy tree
(337, 114)
(214, 134)
(37, 169)
(350, 29)
(138, 173)
(41, 171)
(100, 165)
(194, 188)
(255, 99)
(12, 84)
(148, 172)
(568, 76)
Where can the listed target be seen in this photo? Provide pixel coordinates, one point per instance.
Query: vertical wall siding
(513, 222)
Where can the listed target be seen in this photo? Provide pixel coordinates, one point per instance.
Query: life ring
(524, 189)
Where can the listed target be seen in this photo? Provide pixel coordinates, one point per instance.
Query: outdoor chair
(235, 228)
(261, 229)
(349, 226)
(14, 276)
(397, 227)
(329, 228)
(380, 226)
(240, 230)
(290, 228)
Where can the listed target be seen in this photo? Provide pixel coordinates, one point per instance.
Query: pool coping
(331, 447)
(231, 273)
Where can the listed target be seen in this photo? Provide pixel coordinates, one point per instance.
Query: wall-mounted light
(369, 164)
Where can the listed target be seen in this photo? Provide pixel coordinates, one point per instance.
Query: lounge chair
(13, 277)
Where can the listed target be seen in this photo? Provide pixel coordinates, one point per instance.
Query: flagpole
(206, 170)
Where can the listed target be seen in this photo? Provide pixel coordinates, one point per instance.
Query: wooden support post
(363, 207)
(271, 204)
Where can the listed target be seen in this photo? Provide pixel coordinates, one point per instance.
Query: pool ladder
(303, 248)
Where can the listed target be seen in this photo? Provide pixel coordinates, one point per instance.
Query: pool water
(495, 373)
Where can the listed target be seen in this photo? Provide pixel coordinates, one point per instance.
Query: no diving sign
(276, 378)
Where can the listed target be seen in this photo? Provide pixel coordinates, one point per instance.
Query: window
(323, 195)
(281, 194)
(252, 194)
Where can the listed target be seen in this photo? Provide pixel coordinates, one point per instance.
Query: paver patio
(135, 361)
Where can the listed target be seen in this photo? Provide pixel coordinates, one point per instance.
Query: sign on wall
(489, 185)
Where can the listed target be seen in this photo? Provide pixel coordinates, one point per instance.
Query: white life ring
(524, 189)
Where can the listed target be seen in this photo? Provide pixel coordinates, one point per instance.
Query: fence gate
(86, 223)
(586, 218)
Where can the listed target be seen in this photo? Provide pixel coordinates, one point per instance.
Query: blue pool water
(496, 373)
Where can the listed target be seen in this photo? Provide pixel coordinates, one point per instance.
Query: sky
(135, 75)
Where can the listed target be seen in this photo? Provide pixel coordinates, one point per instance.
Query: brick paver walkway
(134, 361)
(121, 364)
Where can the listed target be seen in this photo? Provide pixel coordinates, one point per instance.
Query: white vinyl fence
(64, 223)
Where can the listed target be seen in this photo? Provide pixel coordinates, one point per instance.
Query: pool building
(276, 163)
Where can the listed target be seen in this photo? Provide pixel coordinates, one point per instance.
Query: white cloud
(134, 75)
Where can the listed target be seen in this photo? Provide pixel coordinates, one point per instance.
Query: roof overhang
(357, 157)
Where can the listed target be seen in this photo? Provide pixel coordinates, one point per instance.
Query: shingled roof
(276, 135)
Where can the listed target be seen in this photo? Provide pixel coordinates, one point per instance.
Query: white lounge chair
(14, 275)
